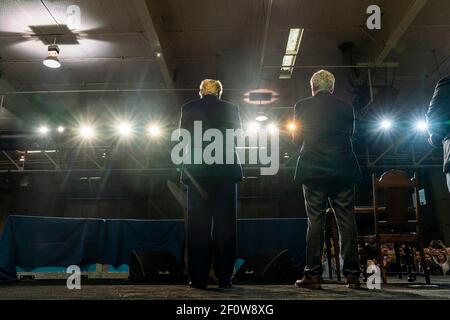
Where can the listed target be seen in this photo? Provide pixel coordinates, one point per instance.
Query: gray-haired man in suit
(328, 170)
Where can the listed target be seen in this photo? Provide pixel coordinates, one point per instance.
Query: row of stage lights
(384, 124)
(89, 132)
(127, 130)
(388, 124)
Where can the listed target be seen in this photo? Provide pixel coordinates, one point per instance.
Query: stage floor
(395, 289)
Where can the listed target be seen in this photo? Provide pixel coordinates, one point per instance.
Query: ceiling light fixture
(292, 49)
(52, 60)
(261, 117)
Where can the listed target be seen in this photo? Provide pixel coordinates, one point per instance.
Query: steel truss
(99, 159)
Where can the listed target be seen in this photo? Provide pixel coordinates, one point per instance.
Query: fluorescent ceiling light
(292, 49)
(294, 40)
(286, 73)
(288, 60)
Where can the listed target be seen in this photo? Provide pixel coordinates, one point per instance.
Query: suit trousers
(211, 228)
(340, 195)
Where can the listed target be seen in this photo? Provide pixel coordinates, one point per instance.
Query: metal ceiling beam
(20, 102)
(150, 32)
(400, 29)
(52, 161)
(84, 59)
(424, 157)
(12, 161)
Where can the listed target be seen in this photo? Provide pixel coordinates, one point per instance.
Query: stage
(61, 242)
(394, 290)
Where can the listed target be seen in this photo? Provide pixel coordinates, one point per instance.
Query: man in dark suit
(212, 190)
(328, 170)
(438, 117)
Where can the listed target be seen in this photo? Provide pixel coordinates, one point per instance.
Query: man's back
(326, 131)
(211, 186)
(438, 117)
(439, 112)
(213, 113)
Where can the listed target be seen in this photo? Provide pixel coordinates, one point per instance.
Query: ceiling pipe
(264, 45)
(81, 34)
(83, 59)
(359, 65)
(13, 93)
(367, 107)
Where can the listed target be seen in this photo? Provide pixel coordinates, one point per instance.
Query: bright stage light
(386, 124)
(43, 130)
(61, 129)
(86, 132)
(154, 131)
(253, 126)
(291, 126)
(124, 129)
(422, 125)
(272, 128)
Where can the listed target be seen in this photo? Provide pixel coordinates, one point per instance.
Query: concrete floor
(395, 289)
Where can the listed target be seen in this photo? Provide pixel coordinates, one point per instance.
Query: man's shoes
(198, 285)
(353, 282)
(411, 277)
(309, 282)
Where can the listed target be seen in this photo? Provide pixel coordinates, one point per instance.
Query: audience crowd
(437, 257)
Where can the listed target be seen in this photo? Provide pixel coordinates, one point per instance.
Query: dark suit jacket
(326, 126)
(438, 117)
(214, 114)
